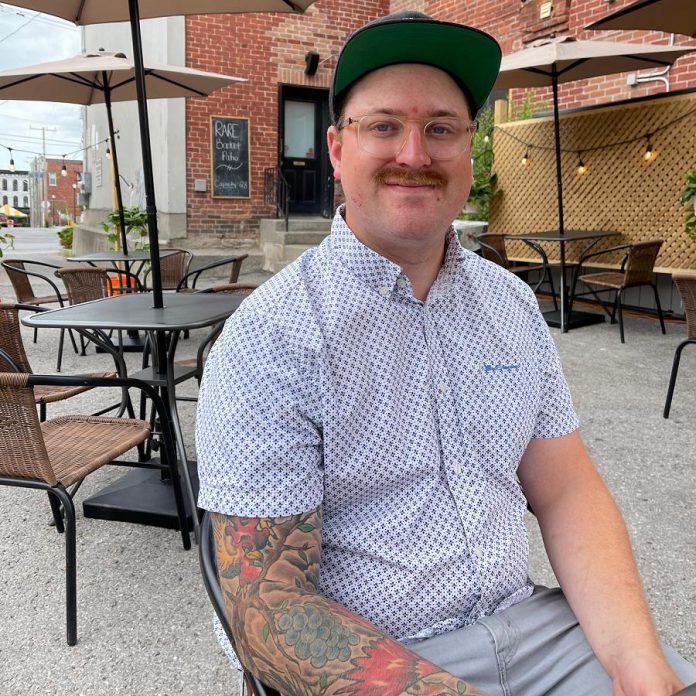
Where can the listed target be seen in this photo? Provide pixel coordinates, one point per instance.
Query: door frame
(318, 95)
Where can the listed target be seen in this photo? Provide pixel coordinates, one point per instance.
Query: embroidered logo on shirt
(500, 368)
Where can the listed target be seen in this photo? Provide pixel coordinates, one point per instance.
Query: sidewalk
(144, 620)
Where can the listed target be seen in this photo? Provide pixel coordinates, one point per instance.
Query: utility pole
(44, 171)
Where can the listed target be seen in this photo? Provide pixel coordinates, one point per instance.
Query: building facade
(220, 161)
(15, 189)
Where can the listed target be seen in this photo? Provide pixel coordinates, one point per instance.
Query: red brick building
(285, 101)
(62, 190)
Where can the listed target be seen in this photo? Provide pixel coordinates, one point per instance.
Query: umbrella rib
(153, 74)
(572, 66)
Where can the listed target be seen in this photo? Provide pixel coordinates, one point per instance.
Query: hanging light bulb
(650, 154)
(582, 167)
(108, 152)
(64, 169)
(525, 158)
(12, 164)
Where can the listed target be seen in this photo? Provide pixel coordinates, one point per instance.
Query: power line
(42, 18)
(19, 28)
(34, 138)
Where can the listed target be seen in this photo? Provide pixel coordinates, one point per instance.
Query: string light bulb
(582, 167)
(650, 154)
(525, 158)
(108, 152)
(12, 164)
(64, 169)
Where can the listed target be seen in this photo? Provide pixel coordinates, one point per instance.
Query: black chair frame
(192, 276)
(673, 375)
(62, 501)
(208, 562)
(618, 305)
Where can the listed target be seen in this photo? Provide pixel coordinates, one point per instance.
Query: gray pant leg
(534, 647)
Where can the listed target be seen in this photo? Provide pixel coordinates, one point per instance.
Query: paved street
(143, 616)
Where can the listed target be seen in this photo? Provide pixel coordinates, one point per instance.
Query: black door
(303, 153)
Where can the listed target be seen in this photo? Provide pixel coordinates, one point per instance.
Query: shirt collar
(380, 273)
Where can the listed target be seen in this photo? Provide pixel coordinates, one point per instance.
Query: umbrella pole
(117, 175)
(559, 193)
(150, 205)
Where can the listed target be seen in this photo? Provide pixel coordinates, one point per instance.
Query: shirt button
(457, 468)
(384, 290)
(442, 387)
(401, 282)
(478, 552)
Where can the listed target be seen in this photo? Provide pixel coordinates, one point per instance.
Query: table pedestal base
(575, 320)
(141, 497)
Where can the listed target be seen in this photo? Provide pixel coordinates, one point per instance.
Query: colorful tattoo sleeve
(293, 638)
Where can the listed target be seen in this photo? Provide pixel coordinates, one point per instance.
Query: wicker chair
(192, 276)
(686, 284)
(636, 270)
(211, 581)
(59, 453)
(13, 358)
(493, 249)
(173, 268)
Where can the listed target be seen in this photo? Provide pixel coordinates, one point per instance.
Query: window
(4, 184)
(4, 200)
(26, 202)
(15, 185)
(15, 201)
(52, 179)
(25, 185)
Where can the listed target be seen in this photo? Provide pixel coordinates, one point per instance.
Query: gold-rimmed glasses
(384, 135)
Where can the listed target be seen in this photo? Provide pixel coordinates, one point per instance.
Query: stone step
(308, 223)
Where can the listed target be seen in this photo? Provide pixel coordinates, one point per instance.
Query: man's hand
(645, 675)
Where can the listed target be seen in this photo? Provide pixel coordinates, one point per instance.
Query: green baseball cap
(470, 56)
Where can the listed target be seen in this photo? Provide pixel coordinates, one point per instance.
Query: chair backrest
(84, 283)
(22, 449)
(20, 281)
(173, 267)
(641, 261)
(236, 267)
(686, 284)
(208, 563)
(11, 340)
(493, 248)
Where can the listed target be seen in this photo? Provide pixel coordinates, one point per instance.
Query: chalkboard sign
(229, 138)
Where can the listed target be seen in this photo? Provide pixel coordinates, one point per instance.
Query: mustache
(392, 175)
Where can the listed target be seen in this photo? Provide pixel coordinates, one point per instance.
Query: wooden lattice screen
(620, 191)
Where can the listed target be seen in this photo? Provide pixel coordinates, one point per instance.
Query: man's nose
(413, 151)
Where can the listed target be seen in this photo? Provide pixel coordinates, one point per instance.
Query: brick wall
(267, 49)
(62, 196)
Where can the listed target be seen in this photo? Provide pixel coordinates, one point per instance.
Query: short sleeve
(258, 440)
(556, 416)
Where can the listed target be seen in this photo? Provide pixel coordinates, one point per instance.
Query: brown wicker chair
(636, 270)
(59, 453)
(686, 284)
(188, 281)
(173, 268)
(493, 249)
(13, 358)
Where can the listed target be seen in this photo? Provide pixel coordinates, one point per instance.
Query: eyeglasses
(384, 135)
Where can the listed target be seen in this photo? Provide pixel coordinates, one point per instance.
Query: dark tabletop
(555, 236)
(136, 312)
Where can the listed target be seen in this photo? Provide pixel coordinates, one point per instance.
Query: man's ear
(333, 139)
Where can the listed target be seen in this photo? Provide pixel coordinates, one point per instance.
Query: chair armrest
(494, 250)
(40, 276)
(6, 357)
(139, 287)
(608, 250)
(183, 283)
(538, 248)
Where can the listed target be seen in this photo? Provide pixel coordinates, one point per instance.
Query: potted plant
(136, 228)
(688, 198)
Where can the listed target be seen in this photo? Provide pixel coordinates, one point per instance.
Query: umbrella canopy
(673, 16)
(98, 12)
(9, 211)
(101, 77)
(85, 12)
(553, 61)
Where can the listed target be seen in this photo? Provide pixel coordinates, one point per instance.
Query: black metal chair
(211, 581)
(686, 284)
(493, 249)
(636, 269)
(193, 276)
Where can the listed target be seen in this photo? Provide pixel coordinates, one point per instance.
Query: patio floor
(144, 621)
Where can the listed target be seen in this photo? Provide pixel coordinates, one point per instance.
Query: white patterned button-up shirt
(405, 420)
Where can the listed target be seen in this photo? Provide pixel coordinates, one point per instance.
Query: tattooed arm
(293, 638)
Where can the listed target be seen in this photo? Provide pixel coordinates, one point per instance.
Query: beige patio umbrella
(101, 77)
(85, 12)
(550, 62)
(673, 16)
